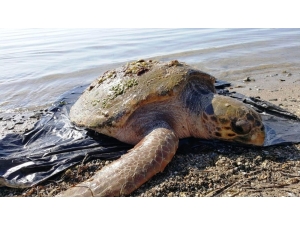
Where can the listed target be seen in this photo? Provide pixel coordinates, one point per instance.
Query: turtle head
(231, 120)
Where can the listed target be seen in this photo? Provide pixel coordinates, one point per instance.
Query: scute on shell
(112, 97)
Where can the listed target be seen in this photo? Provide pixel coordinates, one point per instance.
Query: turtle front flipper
(123, 176)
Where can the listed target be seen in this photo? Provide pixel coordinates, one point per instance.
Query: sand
(218, 171)
(281, 89)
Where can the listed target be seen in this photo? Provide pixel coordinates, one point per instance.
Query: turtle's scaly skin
(126, 174)
(152, 105)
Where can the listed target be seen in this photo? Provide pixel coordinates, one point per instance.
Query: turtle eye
(241, 126)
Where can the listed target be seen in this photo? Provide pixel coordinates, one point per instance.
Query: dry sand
(218, 171)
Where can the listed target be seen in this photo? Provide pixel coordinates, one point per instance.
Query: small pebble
(11, 127)
(247, 79)
(36, 115)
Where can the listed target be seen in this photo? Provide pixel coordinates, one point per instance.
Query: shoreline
(281, 89)
(270, 171)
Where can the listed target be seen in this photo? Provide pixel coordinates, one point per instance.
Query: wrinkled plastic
(55, 144)
(52, 146)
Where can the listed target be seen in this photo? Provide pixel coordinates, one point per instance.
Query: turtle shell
(115, 95)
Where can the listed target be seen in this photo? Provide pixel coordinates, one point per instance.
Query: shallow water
(37, 65)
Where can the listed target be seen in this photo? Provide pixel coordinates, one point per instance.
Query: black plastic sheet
(55, 144)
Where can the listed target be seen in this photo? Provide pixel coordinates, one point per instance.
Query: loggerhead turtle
(152, 105)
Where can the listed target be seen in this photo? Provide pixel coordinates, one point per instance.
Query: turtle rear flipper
(123, 176)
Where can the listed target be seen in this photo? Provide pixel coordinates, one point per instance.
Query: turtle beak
(258, 138)
(255, 137)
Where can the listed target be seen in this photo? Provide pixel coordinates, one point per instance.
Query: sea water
(37, 65)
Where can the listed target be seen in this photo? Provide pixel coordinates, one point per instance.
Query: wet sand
(281, 88)
(217, 171)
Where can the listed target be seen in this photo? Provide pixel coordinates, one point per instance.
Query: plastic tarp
(55, 144)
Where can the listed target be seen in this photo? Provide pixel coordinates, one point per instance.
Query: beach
(216, 171)
(39, 65)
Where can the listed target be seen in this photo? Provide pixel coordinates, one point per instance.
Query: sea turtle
(152, 105)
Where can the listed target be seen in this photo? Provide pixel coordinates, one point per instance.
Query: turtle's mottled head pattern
(231, 120)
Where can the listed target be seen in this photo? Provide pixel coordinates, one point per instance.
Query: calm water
(37, 65)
